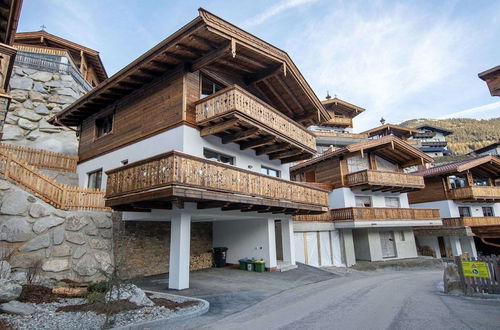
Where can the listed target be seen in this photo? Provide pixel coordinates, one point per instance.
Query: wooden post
(7, 165)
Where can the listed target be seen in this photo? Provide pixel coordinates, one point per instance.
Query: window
(457, 182)
(363, 201)
(214, 155)
(464, 211)
(209, 87)
(270, 171)
(481, 181)
(488, 211)
(95, 179)
(103, 125)
(392, 202)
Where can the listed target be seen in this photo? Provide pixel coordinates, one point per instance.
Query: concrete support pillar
(469, 246)
(180, 239)
(288, 243)
(271, 245)
(348, 244)
(456, 247)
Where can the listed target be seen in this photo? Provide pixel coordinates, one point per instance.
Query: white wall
(245, 239)
(182, 138)
(408, 247)
(345, 197)
(430, 241)
(449, 209)
(368, 246)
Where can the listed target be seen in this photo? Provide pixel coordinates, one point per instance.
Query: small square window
(95, 179)
(363, 201)
(464, 211)
(392, 202)
(209, 87)
(103, 125)
(488, 211)
(270, 171)
(214, 155)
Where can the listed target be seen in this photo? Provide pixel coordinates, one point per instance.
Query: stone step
(283, 267)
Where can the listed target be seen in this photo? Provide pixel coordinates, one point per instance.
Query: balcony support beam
(220, 127)
(257, 143)
(271, 148)
(240, 135)
(285, 154)
(211, 57)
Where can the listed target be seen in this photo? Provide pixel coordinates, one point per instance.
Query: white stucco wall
(345, 197)
(449, 208)
(431, 242)
(182, 138)
(368, 246)
(246, 239)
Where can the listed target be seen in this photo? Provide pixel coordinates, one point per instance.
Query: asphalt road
(364, 300)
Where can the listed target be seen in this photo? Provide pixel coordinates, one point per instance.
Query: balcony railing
(471, 221)
(233, 107)
(204, 179)
(384, 181)
(340, 121)
(339, 134)
(373, 214)
(476, 193)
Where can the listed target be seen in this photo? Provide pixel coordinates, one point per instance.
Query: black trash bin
(220, 254)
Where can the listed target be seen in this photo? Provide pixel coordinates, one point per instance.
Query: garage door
(299, 247)
(325, 246)
(312, 249)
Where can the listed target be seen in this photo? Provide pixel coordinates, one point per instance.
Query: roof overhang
(387, 129)
(487, 165)
(38, 38)
(339, 106)
(492, 79)
(208, 42)
(443, 131)
(9, 18)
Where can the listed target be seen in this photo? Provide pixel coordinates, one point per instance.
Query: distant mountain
(469, 134)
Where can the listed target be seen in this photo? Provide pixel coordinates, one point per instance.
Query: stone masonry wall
(72, 245)
(142, 248)
(36, 96)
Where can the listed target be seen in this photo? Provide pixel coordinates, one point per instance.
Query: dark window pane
(104, 125)
(488, 211)
(209, 87)
(464, 211)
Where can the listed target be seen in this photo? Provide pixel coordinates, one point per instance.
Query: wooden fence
(39, 158)
(489, 284)
(59, 195)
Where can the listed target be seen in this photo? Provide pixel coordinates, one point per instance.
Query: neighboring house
(198, 132)
(469, 202)
(369, 216)
(49, 74)
(432, 140)
(9, 17)
(337, 131)
(492, 79)
(491, 149)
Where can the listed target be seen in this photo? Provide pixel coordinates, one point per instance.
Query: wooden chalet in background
(468, 197)
(492, 79)
(368, 202)
(201, 128)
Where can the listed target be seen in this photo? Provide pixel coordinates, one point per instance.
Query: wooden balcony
(340, 121)
(471, 221)
(339, 134)
(476, 194)
(384, 181)
(176, 177)
(374, 214)
(237, 116)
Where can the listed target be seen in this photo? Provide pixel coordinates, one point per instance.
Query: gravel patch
(46, 316)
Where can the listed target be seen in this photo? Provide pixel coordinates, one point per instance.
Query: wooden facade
(341, 112)
(339, 169)
(492, 79)
(176, 177)
(439, 182)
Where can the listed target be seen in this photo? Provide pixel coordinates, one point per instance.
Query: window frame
(219, 154)
(393, 198)
(464, 208)
(89, 174)
(363, 196)
(492, 213)
(96, 130)
(214, 81)
(278, 172)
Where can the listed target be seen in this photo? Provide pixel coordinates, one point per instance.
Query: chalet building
(369, 218)
(469, 201)
(402, 132)
(492, 79)
(432, 140)
(337, 131)
(49, 73)
(199, 131)
(491, 149)
(9, 18)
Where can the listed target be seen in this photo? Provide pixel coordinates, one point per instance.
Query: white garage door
(299, 247)
(326, 251)
(312, 249)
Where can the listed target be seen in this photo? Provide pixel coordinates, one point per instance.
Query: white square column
(287, 241)
(180, 239)
(456, 247)
(271, 245)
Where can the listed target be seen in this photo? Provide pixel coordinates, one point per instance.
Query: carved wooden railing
(476, 192)
(471, 221)
(176, 168)
(236, 99)
(39, 158)
(340, 134)
(372, 213)
(59, 195)
(372, 177)
(340, 121)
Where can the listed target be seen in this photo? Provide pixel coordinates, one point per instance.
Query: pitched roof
(459, 166)
(402, 130)
(485, 148)
(340, 106)
(206, 41)
(50, 40)
(493, 72)
(411, 151)
(435, 128)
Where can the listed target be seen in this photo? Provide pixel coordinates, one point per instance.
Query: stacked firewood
(201, 261)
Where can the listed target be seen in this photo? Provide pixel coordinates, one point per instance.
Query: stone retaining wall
(142, 248)
(36, 96)
(73, 245)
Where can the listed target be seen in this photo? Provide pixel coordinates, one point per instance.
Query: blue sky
(398, 59)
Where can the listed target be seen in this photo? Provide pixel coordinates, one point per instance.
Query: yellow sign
(475, 269)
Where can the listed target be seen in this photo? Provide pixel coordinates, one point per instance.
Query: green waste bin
(259, 266)
(243, 264)
(250, 265)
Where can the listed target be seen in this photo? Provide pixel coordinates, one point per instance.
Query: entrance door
(278, 239)
(442, 247)
(388, 246)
